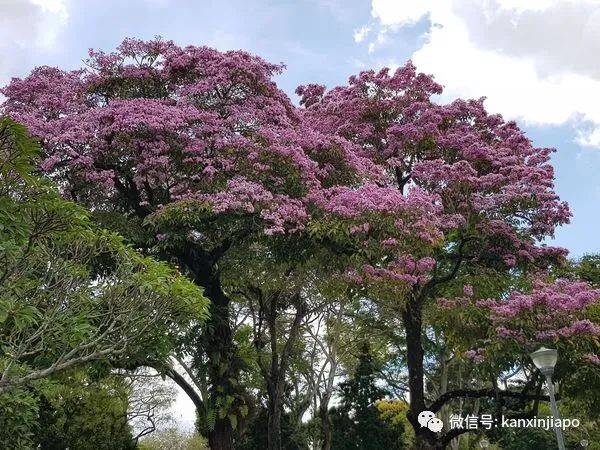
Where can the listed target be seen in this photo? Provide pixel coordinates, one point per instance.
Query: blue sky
(536, 61)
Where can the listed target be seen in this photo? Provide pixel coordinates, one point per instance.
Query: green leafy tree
(73, 296)
(357, 422)
(78, 411)
(257, 434)
(19, 411)
(71, 293)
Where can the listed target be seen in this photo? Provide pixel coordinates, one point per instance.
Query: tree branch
(482, 393)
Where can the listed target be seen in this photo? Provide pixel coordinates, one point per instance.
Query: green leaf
(233, 420)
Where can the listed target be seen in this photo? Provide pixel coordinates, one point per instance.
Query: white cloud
(535, 61)
(52, 6)
(361, 33)
(382, 38)
(394, 13)
(27, 27)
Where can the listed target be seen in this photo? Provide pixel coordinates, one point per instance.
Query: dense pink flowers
(552, 313)
(479, 169)
(406, 182)
(155, 123)
(555, 313)
(560, 297)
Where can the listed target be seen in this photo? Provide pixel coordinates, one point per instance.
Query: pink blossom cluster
(351, 202)
(478, 167)
(404, 269)
(553, 312)
(477, 356)
(154, 123)
(562, 296)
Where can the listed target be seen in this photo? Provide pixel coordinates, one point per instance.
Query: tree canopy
(73, 296)
(369, 206)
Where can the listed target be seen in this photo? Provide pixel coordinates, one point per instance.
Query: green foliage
(73, 300)
(80, 412)
(17, 150)
(357, 422)
(71, 292)
(18, 419)
(130, 227)
(526, 439)
(588, 269)
(581, 401)
(394, 412)
(255, 438)
(175, 221)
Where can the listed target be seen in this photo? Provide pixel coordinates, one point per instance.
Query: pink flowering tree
(550, 314)
(152, 125)
(493, 337)
(407, 197)
(203, 147)
(486, 200)
(560, 314)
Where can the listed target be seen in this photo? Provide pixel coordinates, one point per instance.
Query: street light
(545, 360)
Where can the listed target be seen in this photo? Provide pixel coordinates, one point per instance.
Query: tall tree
(202, 144)
(357, 421)
(482, 199)
(410, 197)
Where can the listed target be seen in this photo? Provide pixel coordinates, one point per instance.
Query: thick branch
(187, 388)
(482, 393)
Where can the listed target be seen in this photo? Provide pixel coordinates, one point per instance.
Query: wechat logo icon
(428, 419)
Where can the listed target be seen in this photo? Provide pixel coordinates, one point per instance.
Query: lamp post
(545, 360)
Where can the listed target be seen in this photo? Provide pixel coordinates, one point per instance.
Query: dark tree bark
(274, 421)
(216, 340)
(327, 428)
(185, 386)
(221, 436)
(413, 325)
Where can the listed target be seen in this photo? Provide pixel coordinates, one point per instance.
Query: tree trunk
(326, 426)
(274, 422)
(413, 323)
(275, 376)
(219, 346)
(221, 436)
(216, 342)
(412, 318)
